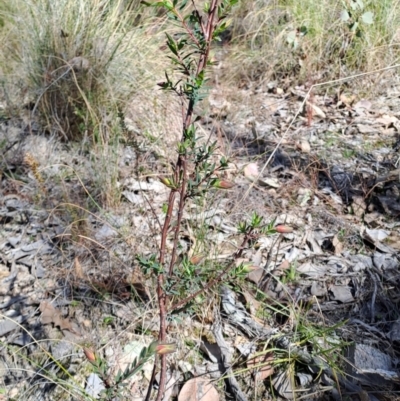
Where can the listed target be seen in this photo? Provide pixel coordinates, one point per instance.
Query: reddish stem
(162, 299)
(182, 167)
(180, 177)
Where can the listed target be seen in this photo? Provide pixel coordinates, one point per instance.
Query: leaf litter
(335, 180)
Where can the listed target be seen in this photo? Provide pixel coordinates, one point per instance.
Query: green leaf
(303, 30)
(344, 15)
(360, 4)
(255, 220)
(156, 4)
(182, 43)
(172, 44)
(354, 27)
(168, 5)
(354, 5)
(190, 132)
(368, 18)
(243, 227)
(183, 5)
(174, 60)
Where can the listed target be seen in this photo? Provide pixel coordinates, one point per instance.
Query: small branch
(192, 71)
(167, 222)
(188, 30)
(161, 296)
(182, 201)
(203, 29)
(209, 30)
(226, 363)
(163, 378)
(217, 279)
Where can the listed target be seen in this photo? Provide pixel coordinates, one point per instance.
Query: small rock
(318, 289)
(24, 279)
(94, 385)
(13, 393)
(4, 271)
(341, 293)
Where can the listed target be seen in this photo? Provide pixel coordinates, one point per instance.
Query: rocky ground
(326, 166)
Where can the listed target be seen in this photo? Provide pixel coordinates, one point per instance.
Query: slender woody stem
(181, 178)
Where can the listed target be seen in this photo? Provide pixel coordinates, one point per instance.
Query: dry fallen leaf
(347, 100)
(136, 281)
(285, 385)
(78, 268)
(256, 275)
(52, 315)
(251, 302)
(269, 182)
(386, 120)
(198, 389)
(317, 110)
(79, 63)
(341, 293)
(281, 269)
(337, 245)
(359, 206)
(362, 104)
(261, 365)
(366, 129)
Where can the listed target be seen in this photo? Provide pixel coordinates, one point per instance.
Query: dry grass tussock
(79, 62)
(75, 67)
(311, 41)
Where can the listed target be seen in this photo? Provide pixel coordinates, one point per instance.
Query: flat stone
(369, 365)
(341, 293)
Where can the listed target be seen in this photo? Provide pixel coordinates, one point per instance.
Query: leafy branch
(193, 173)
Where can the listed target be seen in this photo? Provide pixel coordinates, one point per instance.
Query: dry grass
(79, 67)
(75, 66)
(309, 41)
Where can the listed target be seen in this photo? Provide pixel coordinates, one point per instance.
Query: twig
(182, 200)
(226, 359)
(373, 298)
(216, 279)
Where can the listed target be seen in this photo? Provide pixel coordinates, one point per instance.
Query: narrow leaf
(172, 44)
(156, 4)
(183, 5)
